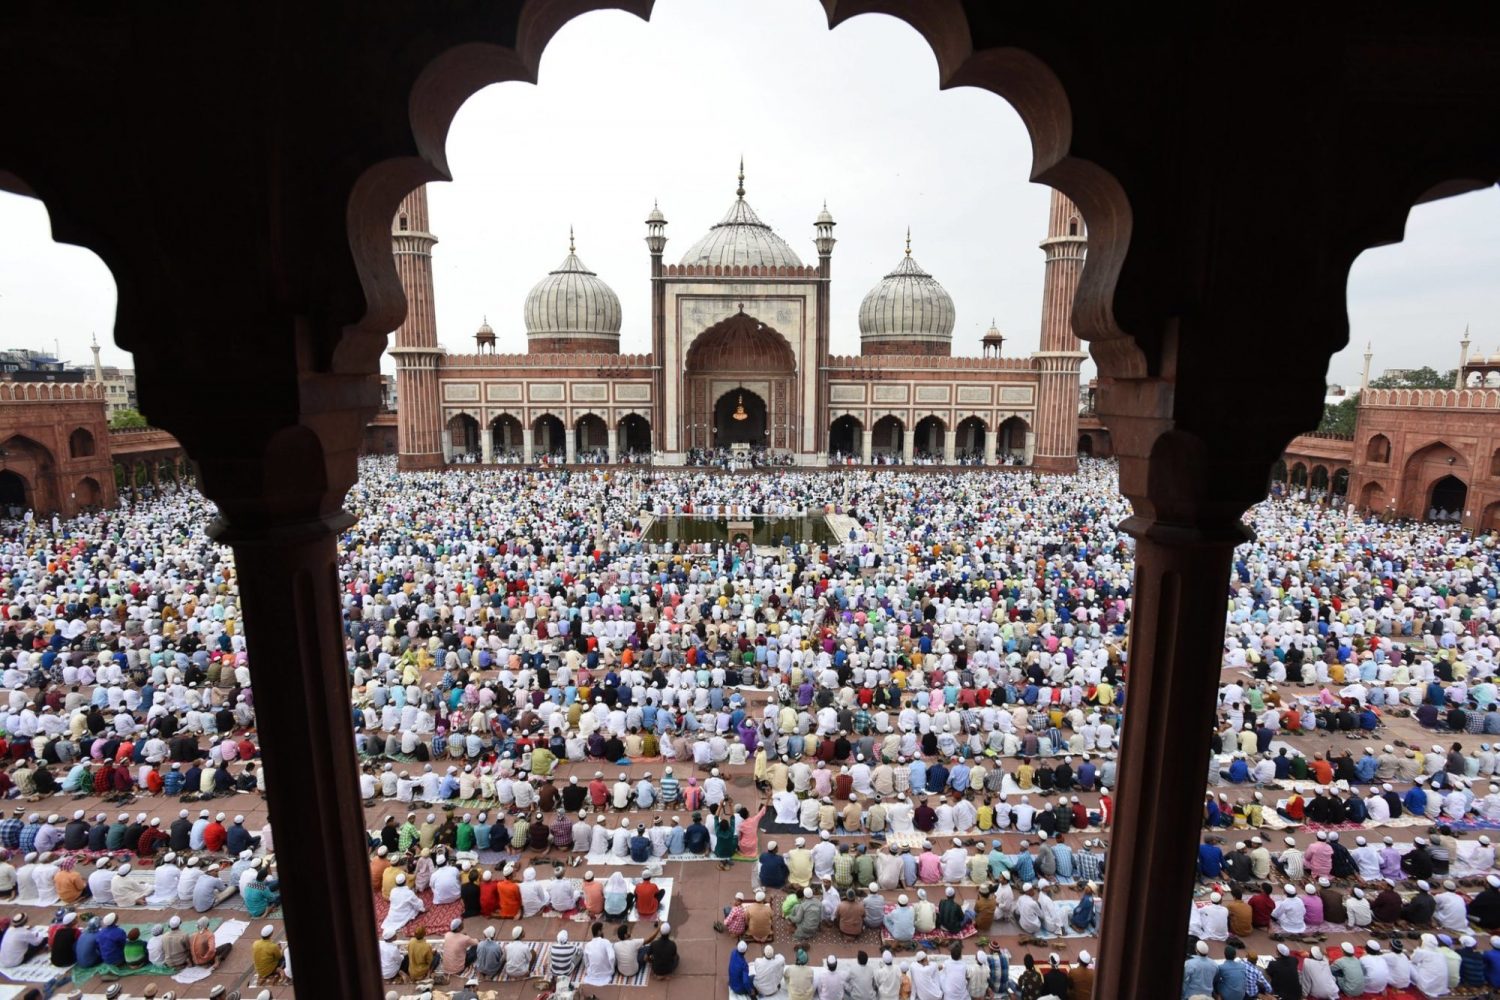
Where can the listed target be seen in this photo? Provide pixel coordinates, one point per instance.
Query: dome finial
(908, 241)
(570, 238)
(740, 191)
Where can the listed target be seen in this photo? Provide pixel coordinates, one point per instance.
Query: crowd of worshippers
(418, 878)
(855, 890)
(985, 971)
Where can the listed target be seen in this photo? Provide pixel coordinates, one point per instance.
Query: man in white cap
(767, 972)
(518, 955)
(1429, 968)
(1377, 973)
(1210, 922)
(406, 906)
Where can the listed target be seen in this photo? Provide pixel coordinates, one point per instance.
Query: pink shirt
(929, 867)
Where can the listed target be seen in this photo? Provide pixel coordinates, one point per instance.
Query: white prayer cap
(390, 935)
(515, 933)
(1290, 890)
(760, 896)
(218, 817)
(174, 923)
(741, 947)
(902, 899)
(1422, 884)
(1372, 946)
(1203, 947)
(239, 819)
(1215, 897)
(455, 924)
(562, 937)
(401, 879)
(108, 921)
(666, 928)
(1283, 950)
(125, 869)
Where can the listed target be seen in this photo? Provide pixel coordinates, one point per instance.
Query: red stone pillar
(1176, 639)
(290, 595)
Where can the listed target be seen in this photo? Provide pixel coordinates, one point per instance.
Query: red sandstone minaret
(419, 419)
(1061, 355)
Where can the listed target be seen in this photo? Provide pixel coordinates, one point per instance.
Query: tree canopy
(1416, 378)
(124, 420)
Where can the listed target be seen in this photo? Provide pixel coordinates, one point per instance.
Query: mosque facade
(739, 359)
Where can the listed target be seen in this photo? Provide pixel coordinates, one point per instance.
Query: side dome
(572, 311)
(741, 239)
(907, 312)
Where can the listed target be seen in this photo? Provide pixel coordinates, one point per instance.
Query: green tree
(126, 420)
(1417, 378)
(1338, 418)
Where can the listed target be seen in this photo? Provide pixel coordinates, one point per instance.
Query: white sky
(626, 112)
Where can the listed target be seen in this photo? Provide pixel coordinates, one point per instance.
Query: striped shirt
(562, 959)
(669, 790)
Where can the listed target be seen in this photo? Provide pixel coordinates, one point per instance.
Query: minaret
(656, 243)
(1458, 380)
(419, 417)
(1061, 356)
(1364, 380)
(99, 369)
(824, 240)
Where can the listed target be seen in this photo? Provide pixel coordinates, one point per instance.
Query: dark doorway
(548, 436)
(12, 489)
(1448, 496)
(739, 418)
(635, 435)
(844, 436)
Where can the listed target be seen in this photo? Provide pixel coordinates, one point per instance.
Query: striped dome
(741, 239)
(571, 302)
(907, 305)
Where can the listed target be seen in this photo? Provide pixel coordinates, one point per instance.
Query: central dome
(572, 310)
(741, 239)
(907, 312)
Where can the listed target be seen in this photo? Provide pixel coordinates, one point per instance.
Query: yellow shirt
(266, 955)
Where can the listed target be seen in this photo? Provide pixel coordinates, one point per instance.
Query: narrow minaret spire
(740, 191)
(1364, 381)
(908, 241)
(1463, 359)
(570, 238)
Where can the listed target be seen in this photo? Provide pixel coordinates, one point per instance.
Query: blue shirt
(1229, 981)
(1199, 974)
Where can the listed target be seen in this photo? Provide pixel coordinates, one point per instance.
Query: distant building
(739, 358)
(119, 384)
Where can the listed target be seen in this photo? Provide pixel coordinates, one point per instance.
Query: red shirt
(214, 837)
(647, 898)
(1261, 906)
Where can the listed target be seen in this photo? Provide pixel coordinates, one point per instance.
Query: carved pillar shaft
(1176, 646)
(290, 595)
(989, 448)
(487, 444)
(909, 444)
(613, 437)
(528, 452)
(867, 445)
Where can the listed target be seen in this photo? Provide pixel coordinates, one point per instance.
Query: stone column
(447, 446)
(289, 593)
(989, 447)
(1176, 642)
(948, 447)
(909, 444)
(527, 436)
(487, 444)
(570, 445)
(614, 444)
(866, 445)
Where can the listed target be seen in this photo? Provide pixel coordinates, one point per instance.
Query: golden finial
(740, 191)
(908, 241)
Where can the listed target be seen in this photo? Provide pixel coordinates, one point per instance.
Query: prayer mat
(81, 976)
(607, 859)
(795, 829)
(664, 883)
(435, 918)
(545, 951)
(39, 970)
(477, 805)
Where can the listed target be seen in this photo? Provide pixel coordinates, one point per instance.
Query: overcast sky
(627, 112)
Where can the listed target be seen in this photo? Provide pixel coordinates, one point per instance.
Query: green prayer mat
(81, 976)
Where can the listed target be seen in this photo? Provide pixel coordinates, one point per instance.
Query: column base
(1056, 464)
(419, 462)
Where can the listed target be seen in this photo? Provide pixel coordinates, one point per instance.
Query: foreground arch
(261, 357)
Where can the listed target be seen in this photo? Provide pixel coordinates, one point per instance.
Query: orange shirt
(510, 900)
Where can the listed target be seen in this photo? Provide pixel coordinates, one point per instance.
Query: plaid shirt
(862, 721)
(901, 779)
(1256, 982)
(10, 833)
(843, 870)
(1088, 866)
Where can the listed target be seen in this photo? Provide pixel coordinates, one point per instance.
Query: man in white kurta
(406, 906)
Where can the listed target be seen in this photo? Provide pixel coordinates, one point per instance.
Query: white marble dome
(907, 306)
(741, 239)
(572, 303)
